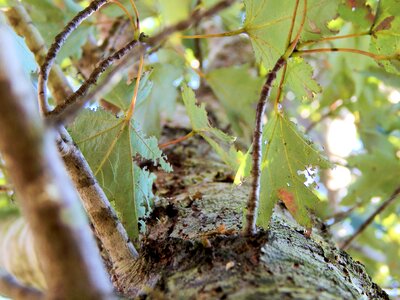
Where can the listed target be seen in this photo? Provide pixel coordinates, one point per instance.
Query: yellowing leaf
(287, 157)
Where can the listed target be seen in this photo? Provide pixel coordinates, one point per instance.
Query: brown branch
(348, 50)
(333, 38)
(11, 288)
(5, 188)
(254, 197)
(69, 256)
(252, 204)
(367, 222)
(56, 47)
(69, 111)
(176, 141)
(107, 226)
(92, 80)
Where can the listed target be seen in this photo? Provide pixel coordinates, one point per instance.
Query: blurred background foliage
(352, 110)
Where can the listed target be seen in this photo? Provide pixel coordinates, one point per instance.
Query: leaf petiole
(214, 35)
(349, 50)
(176, 141)
(332, 38)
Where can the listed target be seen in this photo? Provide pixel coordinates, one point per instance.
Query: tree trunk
(193, 248)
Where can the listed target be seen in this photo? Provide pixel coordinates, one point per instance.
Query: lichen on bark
(193, 248)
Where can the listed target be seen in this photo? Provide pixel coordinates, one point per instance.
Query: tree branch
(107, 226)
(254, 197)
(69, 256)
(75, 103)
(252, 204)
(92, 80)
(368, 221)
(56, 46)
(11, 288)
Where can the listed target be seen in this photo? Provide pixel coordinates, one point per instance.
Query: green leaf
(231, 16)
(163, 95)
(111, 145)
(217, 139)
(171, 14)
(299, 79)
(146, 8)
(380, 173)
(385, 34)
(238, 92)
(287, 156)
(122, 93)
(268, 22)
(358, 12)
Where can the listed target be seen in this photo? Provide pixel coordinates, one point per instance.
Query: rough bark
(193, 248)
(70, 260)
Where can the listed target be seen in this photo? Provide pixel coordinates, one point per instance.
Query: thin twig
(68, 112)
(289, 37)
(5, 188)
(280, 87)
(349, 50)
(254, 198)
(367, 222)
(56, 47)
(332, 38)
(288, 40)
(10, 287)
(252, 204)
(94, 76)
(176, 141)
(214, 35)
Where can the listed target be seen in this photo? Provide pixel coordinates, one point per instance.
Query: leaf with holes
(289, 161)
(112, 147)
(299, 79)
